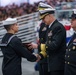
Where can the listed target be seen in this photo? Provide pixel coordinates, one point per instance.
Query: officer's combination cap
(45, 9)
(9, 21)
(73, 16)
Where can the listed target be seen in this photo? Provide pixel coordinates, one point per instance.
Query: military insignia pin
(50, 33)
(74, 40)
(44, 29)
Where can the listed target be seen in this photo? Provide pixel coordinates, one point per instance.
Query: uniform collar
(51, 23)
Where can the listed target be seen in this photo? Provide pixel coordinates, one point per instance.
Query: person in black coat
(55, 45)
(43, 65)
(13, 49)
(70, 56)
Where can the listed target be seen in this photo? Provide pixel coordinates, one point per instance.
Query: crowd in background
(15, 10)
(27, 8)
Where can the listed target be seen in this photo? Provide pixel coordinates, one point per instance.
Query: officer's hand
(33, 46)
(38, 57)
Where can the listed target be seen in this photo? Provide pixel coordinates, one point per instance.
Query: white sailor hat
(73, 16)
(45, 9)
(9, 21)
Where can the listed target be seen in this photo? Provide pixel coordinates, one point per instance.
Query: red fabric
(67, 27)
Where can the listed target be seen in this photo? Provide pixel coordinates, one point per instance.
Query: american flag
(69, 31)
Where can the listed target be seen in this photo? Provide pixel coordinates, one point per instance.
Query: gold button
(69, 49)
(68, 62)
(73, 47)
(46, 47)
(68, 56)
(47, 55)
(42, 38)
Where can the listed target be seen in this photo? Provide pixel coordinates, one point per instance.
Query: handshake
(37, 56)
(42, 54)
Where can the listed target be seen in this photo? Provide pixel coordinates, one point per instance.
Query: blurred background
(15, 8)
